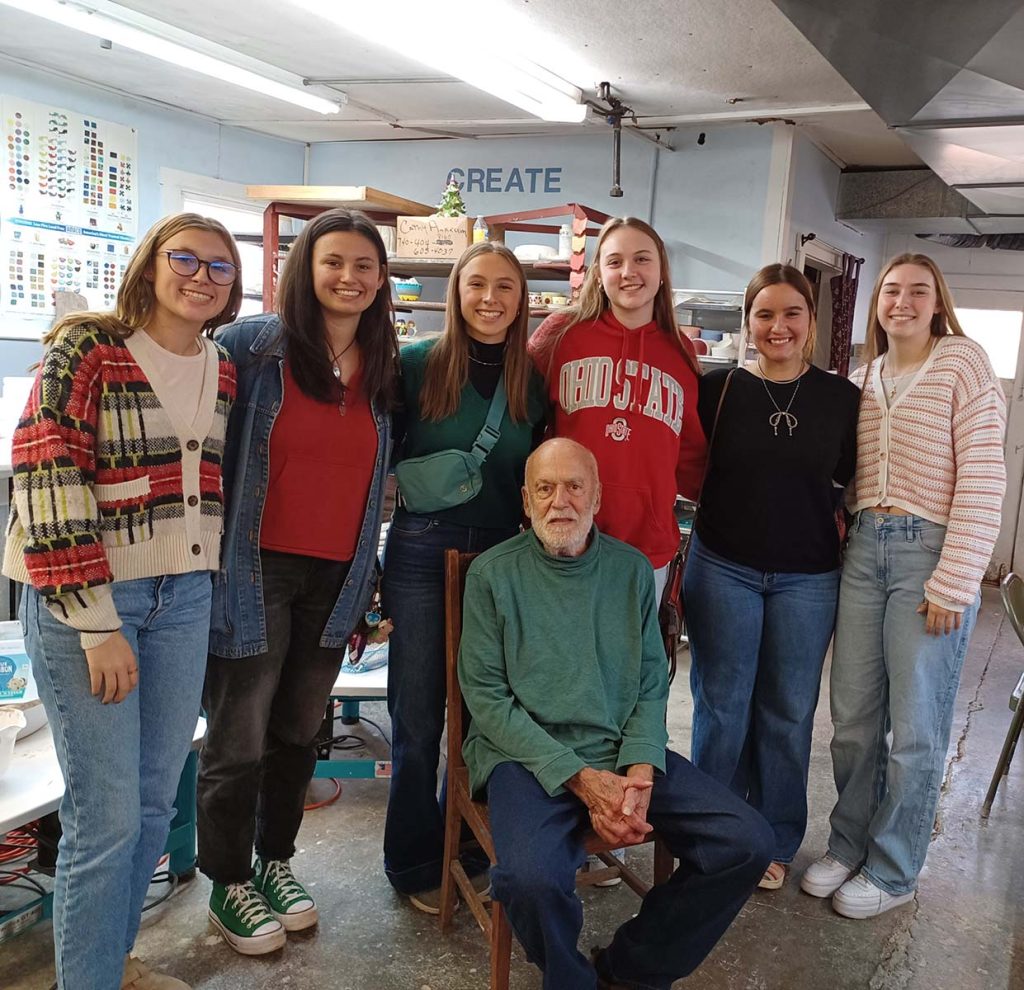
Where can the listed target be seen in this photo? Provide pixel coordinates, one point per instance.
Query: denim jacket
(238, 622)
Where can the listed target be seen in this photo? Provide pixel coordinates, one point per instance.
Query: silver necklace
(781, 415)
(486, 364)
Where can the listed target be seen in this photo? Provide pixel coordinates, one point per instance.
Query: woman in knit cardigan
(926, 500)
(115, 528)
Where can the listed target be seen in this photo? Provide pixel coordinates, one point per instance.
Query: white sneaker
(825, 876)
(593, 863)
(860, 898)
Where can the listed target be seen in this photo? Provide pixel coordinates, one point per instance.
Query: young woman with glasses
(305, 469)
(115, 528)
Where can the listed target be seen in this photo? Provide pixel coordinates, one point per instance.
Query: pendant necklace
(781, 415)
(336, 371)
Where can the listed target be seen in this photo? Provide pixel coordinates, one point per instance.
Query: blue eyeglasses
(186, 263)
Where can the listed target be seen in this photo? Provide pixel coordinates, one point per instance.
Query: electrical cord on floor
(326, 801)
(164, 876)
(21, 880)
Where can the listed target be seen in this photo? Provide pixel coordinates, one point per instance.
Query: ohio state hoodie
(630, 397)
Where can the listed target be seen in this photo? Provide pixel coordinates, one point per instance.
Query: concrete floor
(963, 931)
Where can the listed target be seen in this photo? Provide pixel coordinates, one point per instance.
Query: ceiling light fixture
(390, 23)
(110, 22)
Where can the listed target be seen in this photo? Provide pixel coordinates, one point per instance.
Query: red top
(321, 466)
(630, 397)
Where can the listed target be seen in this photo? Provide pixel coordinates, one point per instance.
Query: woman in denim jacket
(305, 469)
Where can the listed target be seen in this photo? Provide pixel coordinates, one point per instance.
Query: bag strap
(491, 431)
(714, 430)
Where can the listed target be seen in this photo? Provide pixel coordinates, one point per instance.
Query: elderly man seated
(564, 672)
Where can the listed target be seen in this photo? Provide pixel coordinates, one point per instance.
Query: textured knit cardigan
(108, 484)
(937, 452)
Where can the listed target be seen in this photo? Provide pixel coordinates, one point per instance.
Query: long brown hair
(135, 297)
(448, 362)
(943, 322)
(779, 274)
(303, 321)
(593, 302)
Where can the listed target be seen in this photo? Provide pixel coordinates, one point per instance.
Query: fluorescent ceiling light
(429, 32)
(111, 22)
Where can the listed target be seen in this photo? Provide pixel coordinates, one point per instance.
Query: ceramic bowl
(408, 291)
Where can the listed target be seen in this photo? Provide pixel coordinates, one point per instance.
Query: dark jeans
(413, 597)
(264, 713)
(723, 846)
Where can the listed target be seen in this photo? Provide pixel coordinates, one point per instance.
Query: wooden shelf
(401, 306)
(352, 197)
(551, 271)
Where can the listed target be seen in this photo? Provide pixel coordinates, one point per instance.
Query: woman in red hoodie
(623, 382)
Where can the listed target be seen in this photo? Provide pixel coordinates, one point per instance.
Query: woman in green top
(447, 387)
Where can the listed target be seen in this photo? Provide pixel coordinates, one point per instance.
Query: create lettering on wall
(512, 178)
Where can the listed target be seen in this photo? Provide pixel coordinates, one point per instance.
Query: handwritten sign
(440, 238)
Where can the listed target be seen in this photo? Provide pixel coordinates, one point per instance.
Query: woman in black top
(762, 577)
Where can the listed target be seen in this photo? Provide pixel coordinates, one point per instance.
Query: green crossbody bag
(448, 478)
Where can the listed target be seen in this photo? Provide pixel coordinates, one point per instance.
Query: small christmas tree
(451, 204)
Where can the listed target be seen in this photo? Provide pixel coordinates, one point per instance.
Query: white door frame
(1009, 546)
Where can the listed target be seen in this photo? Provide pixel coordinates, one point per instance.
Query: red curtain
(844, 295)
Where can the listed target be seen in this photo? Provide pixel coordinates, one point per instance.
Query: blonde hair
(593, 302)
(447, 366)
(779, 274)
(944, 322)
(135, 297)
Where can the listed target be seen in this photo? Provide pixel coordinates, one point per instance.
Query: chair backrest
(455, 567)
(1012, 591)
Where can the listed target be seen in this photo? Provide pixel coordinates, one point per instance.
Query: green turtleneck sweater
(562, 663)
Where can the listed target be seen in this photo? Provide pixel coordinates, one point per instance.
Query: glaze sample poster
(68, 209)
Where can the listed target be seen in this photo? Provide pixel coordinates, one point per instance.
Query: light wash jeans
(757, 644)
(893, 688)
(121, 764)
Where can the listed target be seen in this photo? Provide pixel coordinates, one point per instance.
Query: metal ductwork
(948, 77)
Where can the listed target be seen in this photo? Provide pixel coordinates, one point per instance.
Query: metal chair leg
(1009, 744)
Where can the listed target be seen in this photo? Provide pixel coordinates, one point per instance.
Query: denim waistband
(888, 523)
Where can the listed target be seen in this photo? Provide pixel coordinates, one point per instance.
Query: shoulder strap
(491, 431)
(714, 430)
(718, 409)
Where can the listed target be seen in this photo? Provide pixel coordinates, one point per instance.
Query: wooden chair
(462, 808)
(1012, 593)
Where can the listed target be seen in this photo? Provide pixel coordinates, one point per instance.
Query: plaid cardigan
(108, 484)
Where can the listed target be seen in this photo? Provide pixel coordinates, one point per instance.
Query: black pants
(263, 716)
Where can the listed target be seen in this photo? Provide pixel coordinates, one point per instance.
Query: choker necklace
(781, 415)
(486, 364)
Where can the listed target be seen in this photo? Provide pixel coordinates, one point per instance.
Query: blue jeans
(757, 644)
(722, 844)
(413, 597)
(120, 763)
(890, 677)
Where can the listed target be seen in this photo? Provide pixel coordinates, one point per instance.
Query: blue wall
(167, 139)
(812, 210)
(707, 202)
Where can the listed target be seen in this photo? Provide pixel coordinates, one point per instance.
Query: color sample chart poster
(68, 209)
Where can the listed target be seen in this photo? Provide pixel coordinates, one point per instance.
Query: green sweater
(499, 503)
(562, 664)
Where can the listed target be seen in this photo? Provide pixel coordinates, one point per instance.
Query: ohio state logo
(617, 429)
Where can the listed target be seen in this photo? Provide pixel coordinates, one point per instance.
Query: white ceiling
(675, 62)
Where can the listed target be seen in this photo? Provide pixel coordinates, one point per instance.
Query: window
(998, 331)
(244, 222)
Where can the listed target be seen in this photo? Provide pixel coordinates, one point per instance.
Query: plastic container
(565, 241)
(480, 232)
